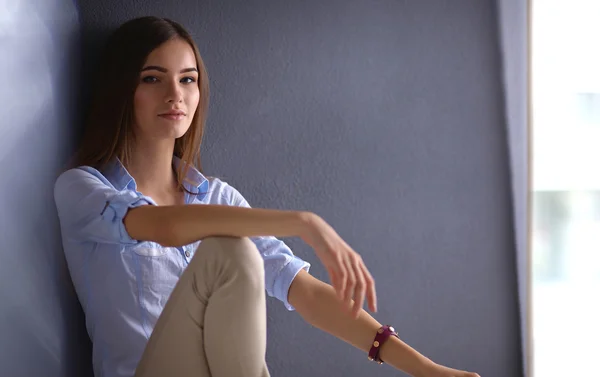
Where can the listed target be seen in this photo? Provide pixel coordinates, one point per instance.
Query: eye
(149, 79)
(188, 80)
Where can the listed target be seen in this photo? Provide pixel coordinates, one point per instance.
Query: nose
(174, 93)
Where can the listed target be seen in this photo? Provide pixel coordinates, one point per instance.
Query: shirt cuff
(117, 208)
(286, 276)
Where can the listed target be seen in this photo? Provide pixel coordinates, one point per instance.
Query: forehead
(174, 54)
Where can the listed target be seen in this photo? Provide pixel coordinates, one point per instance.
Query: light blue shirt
(123, 284)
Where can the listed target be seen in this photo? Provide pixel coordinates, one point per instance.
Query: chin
(175, 135)
(165, 130)
(176, 131)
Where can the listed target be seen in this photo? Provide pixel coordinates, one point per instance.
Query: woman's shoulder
(79, 175)
(79, 172)
(216, 181)
(221, 189)
(217, 184)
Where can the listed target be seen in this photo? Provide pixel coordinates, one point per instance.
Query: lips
(173, 114)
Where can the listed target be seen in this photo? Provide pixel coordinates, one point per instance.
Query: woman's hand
(347, 271)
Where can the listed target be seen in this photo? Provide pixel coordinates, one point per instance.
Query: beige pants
(214, 323)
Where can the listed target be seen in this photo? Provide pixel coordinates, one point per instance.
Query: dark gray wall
(41, 323)
(386, 118)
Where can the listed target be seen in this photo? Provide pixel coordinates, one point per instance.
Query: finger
(359, 292)
(371, 293)
(350, 283)
(342, 274)
(334, 277)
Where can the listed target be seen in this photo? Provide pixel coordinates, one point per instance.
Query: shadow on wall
(41, 322)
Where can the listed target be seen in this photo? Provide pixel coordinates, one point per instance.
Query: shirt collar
(194, 181)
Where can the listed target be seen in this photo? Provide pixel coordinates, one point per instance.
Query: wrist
(405, 358)
(307, 223)
(424, 367)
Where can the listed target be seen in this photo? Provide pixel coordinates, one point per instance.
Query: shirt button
(187, 254)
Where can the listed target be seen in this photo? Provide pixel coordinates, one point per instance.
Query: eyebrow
(164, 70)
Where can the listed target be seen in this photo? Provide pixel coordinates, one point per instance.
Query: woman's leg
(214, 323)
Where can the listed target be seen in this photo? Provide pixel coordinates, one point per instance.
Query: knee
(238, 254)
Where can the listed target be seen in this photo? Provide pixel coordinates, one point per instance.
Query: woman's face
(167, 94)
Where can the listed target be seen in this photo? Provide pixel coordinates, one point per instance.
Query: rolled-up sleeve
(281, 265)
(91, 209)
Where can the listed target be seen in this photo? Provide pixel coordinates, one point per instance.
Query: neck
(151, 165)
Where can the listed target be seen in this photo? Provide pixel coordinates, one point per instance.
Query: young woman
(161, 256)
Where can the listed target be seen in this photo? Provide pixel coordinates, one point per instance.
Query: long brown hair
(108, 125)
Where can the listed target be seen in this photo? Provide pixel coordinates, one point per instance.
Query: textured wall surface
(41, 323)
(387, 119)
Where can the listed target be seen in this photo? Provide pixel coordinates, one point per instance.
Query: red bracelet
(383, 334)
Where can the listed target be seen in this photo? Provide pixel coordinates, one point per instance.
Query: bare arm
(183, 224)
(317, 304)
